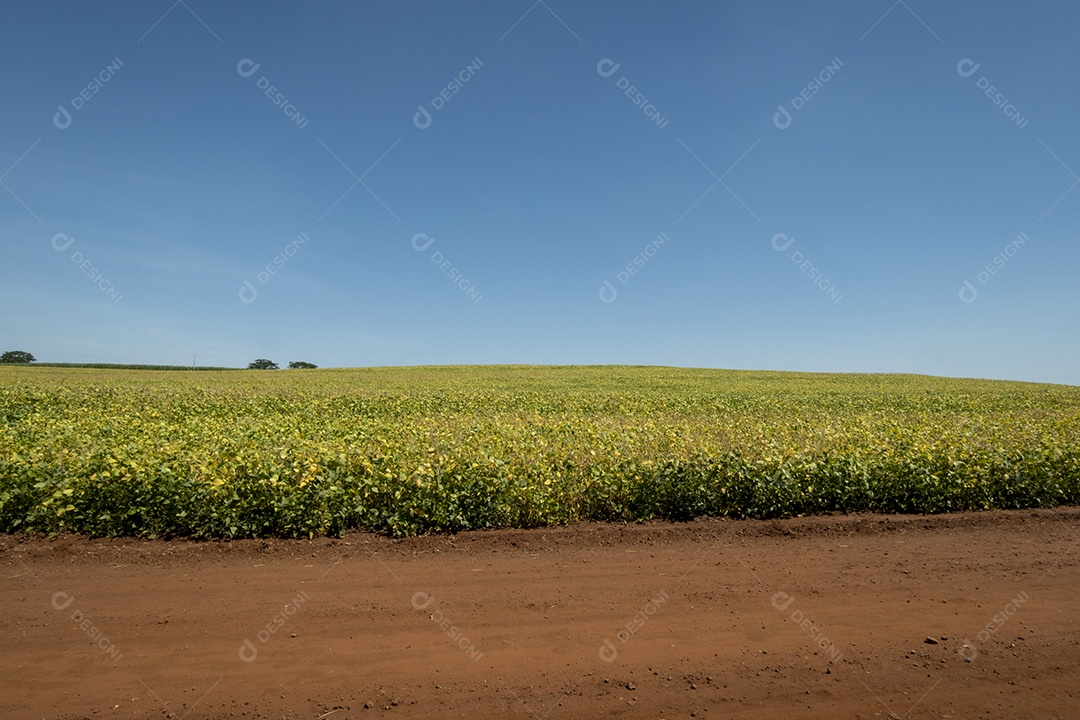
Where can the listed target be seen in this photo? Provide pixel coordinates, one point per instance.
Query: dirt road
(961, 616)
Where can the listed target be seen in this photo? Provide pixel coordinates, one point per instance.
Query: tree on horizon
(17, 357)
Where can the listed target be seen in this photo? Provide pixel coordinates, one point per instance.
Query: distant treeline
(114, 366)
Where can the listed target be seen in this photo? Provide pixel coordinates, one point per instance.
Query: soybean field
(405, 451)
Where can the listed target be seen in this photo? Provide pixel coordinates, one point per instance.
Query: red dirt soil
(951, 616)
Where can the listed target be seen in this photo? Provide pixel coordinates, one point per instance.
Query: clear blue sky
(832, 181)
